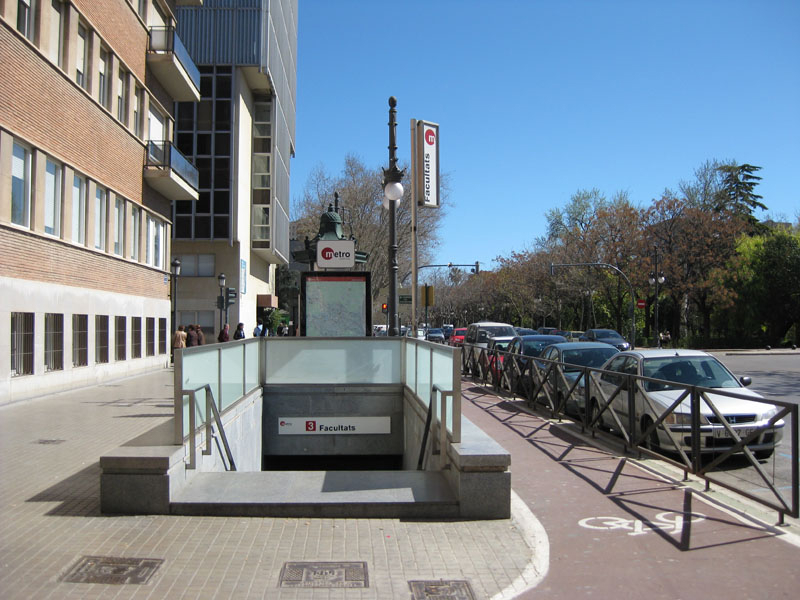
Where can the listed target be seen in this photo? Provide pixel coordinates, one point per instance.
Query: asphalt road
(775, 376)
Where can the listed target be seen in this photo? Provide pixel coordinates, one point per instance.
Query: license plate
(742, 432)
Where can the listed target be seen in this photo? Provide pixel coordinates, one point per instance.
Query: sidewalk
(602, 527)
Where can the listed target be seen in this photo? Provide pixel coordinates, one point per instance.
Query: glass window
(138, 99)
(79, 210)
(53, 342)
(136, 337)
(151, 336)
(80, 340)
(25, 22)
(197, 265)
(122, 96)
(119, 225)
(120, 331)
(136, 231)
(21, 344)
(100, 213)
(21, 185)
(82, 57)
(102, 78)
(52, 198)
(55, 50)
(162, 335)
(101, 338)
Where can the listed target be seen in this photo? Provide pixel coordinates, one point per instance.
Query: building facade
(89, 174)
(241, 138)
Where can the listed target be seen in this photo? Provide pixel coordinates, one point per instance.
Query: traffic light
(384, 308)
(477, 267)
(230, 296)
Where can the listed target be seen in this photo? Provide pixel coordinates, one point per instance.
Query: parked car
(573, 356)
(653, 398)
(574, 336)
(524, 331)
(435, 334)
(478, 334)
(546, 330)
(524, 347)
(607, 336)
(457, 337)
(448, 331)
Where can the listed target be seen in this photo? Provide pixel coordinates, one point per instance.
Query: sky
(538, 99)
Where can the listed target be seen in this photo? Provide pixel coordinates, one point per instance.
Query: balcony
(169, 172)
(172, 65)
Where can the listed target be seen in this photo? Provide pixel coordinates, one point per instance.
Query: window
(55, 49)
(25, 12)
(82, 58)
(100, 211)
(101, 338)
(21, 344)
(121, 342)
(119, 225)
(102, 77)
(197, 265)
(53, 342)
(122, 97)
(155, 246)
(136, 337)
(138, 100)
(136, 231)
(21, 185)
(79, 210)
(151, 336)
(162, 335)
(80, 340)
(52, 198)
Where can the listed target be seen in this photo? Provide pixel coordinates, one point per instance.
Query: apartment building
(89, 175)
(241, 138)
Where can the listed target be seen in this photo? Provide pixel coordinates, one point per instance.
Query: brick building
(89, 175)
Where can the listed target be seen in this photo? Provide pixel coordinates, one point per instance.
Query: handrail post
(192, 424)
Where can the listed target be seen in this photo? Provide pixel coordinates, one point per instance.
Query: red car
(457, 337)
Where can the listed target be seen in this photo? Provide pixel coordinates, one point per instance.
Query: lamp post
(656, 278)
(223, 309)
(392, 192)
(176, 270)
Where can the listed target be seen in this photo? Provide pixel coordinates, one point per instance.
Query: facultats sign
(333, 425)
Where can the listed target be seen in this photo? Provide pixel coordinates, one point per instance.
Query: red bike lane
(618, 530)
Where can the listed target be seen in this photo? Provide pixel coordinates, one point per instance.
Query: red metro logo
(327, 253)
(430, 137)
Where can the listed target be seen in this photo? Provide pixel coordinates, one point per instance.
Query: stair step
(371, 494)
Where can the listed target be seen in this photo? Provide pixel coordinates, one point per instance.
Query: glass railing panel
(442, 376)
(232, 384)
(423, 382)
(251, 356)
(182, 54)
(199, 368)
(181, 165)
(333, 360)
(411, 364)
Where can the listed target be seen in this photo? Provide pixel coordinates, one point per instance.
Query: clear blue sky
(537, 99)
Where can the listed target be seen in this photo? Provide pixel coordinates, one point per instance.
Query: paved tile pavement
(50, 518)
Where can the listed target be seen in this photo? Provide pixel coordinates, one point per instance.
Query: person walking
(201, 337)
(257, 330)
(239, 333)
(191, 336)
(224, 336)
(179, 338)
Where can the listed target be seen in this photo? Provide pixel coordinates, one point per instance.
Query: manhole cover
(441, 590)
(324, 575)
(49, 441)
(112, 569)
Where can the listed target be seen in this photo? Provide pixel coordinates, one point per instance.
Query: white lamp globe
(393, 190)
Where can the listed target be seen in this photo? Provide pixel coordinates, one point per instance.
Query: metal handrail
(211, 407)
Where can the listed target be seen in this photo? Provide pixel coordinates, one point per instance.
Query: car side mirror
(745, 380)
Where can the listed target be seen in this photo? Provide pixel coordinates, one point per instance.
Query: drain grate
(324, 575)
(46, 442)
(112, 569)
(441, 589)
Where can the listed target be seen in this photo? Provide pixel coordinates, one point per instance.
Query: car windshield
(434, 331)
(461, 332)
(534, 347)
(498, 330)
(589, 357)
(607, 333)
(705, 371)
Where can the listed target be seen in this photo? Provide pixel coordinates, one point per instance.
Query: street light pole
(656, 278)
(176, 270)
(392, 192)
(223, 309)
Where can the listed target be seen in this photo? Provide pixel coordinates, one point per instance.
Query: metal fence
(698, 442)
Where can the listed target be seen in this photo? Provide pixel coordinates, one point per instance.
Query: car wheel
(763, 454)
(651, 442)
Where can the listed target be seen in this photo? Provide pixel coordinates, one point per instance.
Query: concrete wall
(281, 401)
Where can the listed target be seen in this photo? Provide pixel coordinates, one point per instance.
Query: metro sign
(336, 254)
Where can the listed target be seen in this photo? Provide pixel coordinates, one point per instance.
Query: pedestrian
(239, 333)
(191, 336)
(223, 335)
(201, 337)
(179, 338)
(666, 338)
(257, 330)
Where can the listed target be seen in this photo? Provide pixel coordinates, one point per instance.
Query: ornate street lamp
(392, 193)
(176, 271)
(656, 278)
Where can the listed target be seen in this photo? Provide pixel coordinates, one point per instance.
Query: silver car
(653, 399)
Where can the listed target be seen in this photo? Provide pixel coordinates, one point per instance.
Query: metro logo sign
(336, 254)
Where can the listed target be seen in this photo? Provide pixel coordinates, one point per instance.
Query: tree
(361, 193)
(737, 194)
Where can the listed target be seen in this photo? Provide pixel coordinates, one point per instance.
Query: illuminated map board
(335, 304)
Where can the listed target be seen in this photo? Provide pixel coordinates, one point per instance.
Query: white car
(653, 399)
